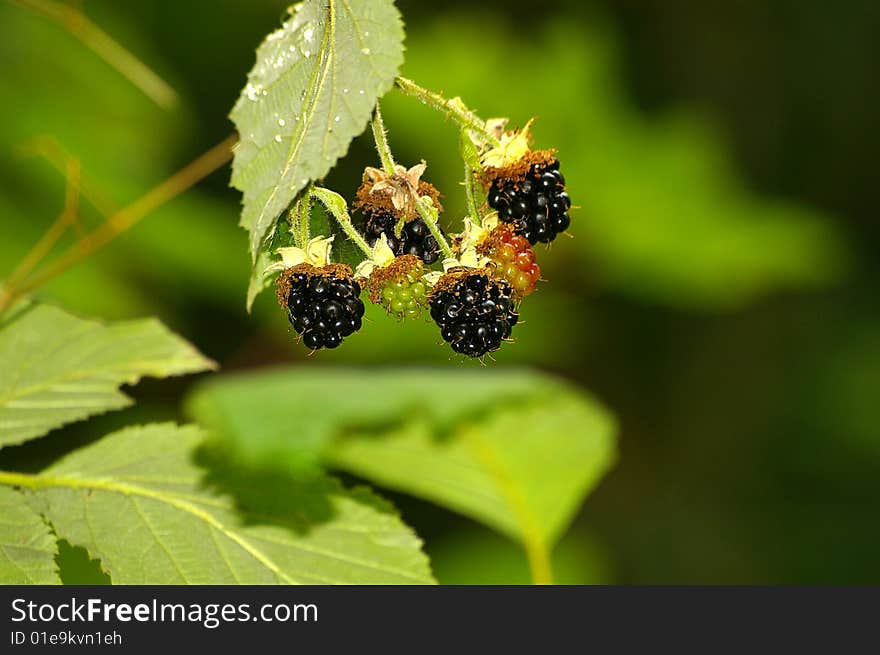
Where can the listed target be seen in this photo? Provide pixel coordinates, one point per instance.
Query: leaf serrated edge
(36, 482)
(54, 551)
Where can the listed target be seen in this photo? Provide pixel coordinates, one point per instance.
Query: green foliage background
(717, 294)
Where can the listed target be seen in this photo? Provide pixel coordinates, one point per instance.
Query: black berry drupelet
(324, 309)
(415, 238)
(536, 206)
(475, 313)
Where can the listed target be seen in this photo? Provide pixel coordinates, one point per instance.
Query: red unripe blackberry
(323, 304)
(415, 238)
(475, 312)
(512, 259)
(536, 205)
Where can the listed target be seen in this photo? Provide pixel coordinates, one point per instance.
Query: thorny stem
(471, 194)
(102, 44)
(425, 207)
(335, 204)
(68, 216)
(380, 136)
(127, 218)
(453, 108)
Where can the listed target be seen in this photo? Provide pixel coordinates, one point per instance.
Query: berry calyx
(323, 303)
(511, 258)
(530, 196)
(384, 200)
(475, 312)
(399, 287)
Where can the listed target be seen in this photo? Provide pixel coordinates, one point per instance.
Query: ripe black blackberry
(535, 205)
(415, 238)
(323, 304)
(474, 311)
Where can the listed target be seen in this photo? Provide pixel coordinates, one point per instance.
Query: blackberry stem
(337, 207)
(453, 108)
(428, 213)
(471, 193)
(380, 137)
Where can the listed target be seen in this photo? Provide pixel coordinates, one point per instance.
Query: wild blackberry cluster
(475, 314)
(415, 238)
(537, 206)
(324, 309)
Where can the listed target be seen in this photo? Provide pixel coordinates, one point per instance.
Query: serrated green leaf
(138, 502)
(311, 91)
(27, 545)
(259, 280)
(57, 368)
(514, 449)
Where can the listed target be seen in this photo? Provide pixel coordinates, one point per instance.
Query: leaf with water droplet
(301, 74)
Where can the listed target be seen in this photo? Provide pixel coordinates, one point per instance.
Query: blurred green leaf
(477, 557)
(286, 416)
(312, 90)
(515, 449)
(523, 469)
(660, 212)
(27, 545)
(58, 368)
(137, 502)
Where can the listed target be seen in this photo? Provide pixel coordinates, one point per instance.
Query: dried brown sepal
(381, 201)
(282, 284)
(455, 275)
(494, 240)
(396, 270)
(518, 170)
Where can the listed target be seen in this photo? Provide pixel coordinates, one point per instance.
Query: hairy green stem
(380, 136)
(471, 193)
(429, 215)
(335, 204)
(453, 108)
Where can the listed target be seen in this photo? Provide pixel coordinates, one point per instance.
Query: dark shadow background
(750, 446)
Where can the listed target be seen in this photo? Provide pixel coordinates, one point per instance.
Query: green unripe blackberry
(399, 287)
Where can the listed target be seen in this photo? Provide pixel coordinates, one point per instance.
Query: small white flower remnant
(316, 253)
